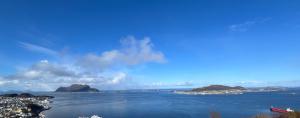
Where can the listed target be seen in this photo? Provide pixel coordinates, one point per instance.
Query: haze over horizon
(148, 44)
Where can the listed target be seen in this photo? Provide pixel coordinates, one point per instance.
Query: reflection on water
(164, 104)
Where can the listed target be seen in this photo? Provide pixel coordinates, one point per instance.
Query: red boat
(274, 109)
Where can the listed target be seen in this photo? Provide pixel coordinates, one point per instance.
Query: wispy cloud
(169, 85)
(37, 48)
(243, 27)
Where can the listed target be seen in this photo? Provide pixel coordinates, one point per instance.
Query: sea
(167, 104)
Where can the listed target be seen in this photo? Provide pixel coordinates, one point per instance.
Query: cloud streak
(243, 27)
(37, 48)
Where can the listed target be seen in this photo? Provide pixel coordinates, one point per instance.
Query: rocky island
(222, 89)
(77, 88)
(214, 89)
(23, 105)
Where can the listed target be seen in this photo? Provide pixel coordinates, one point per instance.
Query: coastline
(222, 92)
(217, 92)
(24, 105)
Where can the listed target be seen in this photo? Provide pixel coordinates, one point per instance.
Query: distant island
(77, 88)
(218, 88)
(222, 89)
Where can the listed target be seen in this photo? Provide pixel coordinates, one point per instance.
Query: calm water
(164, 104)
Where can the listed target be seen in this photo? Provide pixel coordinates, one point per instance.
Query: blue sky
(130, 44)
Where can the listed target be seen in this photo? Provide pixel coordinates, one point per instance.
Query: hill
(217, 88)
(77, 88)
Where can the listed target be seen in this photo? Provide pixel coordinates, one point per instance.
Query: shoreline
(220, 92)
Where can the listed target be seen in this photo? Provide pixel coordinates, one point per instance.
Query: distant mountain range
(77, 88)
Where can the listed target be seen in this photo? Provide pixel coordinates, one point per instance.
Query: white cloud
(37, 48)
(3, 81)
(48, 75)
(188, 83)
(41, 70)
(139, 51)
(133, 52)
(169, 85)
(243, 27)
(118, 78)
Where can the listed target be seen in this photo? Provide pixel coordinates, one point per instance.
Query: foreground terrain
(23, 105)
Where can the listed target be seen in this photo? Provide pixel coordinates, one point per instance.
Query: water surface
(166, 104)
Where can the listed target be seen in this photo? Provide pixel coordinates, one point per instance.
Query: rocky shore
(23, 105)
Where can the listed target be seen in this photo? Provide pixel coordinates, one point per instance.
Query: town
(23, 105)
